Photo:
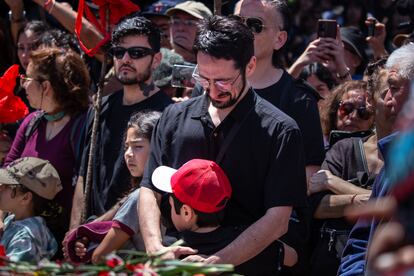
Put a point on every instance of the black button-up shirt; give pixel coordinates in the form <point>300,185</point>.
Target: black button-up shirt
<point>264,161</point>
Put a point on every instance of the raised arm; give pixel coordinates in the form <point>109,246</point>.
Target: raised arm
<point>17,17</point>
<point>66,16</point>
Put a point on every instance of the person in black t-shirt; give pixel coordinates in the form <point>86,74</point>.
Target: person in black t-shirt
<point>270,22</point>
<point>136,52</point>
<point>199,191</point>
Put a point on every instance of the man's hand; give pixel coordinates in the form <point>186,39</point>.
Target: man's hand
<point>311,54</point>
<point>176,252</point>
<point>361,199</point>
<point>196,259</point>
<point>335,50</point>
<point>320,181</point>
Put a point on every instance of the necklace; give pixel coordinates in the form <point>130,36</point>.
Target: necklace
<point>54,117</point>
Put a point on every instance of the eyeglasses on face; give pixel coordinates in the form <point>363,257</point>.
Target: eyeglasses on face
<point>24,79</point>
<point>133,52</point>
<point>346,108</point>
<point>221,85</point>
<point>188,23</point>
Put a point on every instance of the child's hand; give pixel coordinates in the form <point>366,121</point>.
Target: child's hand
<point>81,247</point>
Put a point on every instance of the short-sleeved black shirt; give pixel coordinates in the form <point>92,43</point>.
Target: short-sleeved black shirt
<point>111,178</point>
<point>264,161</point>
<point>298,100</point>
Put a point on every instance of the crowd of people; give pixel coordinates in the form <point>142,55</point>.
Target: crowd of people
<point>251,135</point>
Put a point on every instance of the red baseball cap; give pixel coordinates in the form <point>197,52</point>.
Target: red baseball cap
<point>201,184</point>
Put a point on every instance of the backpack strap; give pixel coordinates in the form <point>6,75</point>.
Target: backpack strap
<point>33,124</point>
<point>78,126</point>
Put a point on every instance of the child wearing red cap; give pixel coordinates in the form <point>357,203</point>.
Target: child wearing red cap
<point>199,193</point>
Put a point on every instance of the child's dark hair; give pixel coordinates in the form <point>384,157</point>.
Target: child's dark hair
<point>37,27</point>
<point>42,207</point>
<point>143,122</point>
<point>320,71</point>
<point>203,219</point>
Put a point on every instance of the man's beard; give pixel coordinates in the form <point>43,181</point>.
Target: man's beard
<point>232,101</point>
<point>139,77</point>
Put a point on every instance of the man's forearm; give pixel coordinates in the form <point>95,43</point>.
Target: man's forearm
<point>77,204</point>
<point>342,187</point>
<point>257,237</point>
<point>149,219</point>
<point>296,69</point>
<point>332,206</point>
<point>66,16</point>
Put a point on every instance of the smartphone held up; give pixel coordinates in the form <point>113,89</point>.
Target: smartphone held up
<point>327,28</point>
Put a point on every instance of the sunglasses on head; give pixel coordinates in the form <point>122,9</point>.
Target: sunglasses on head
<point>346,108</point>
<point>256,25</point>
<point>133,52</point>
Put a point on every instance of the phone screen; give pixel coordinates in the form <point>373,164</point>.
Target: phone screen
<point>327,28</point>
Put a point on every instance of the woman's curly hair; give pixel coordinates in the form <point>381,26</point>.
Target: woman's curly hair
<point>67,74</point>
<point>329,113</point>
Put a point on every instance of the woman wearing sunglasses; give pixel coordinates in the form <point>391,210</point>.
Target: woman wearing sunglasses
<point>349,169</point>
<point>347,109</point>
<point>57,85</point>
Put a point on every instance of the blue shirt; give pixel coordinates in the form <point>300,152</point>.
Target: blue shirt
<point>353,260</point>
<point>27,239</point>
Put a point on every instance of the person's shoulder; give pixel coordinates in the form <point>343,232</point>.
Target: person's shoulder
<point>34,114</point>
<point>344,144</point>
<point>267,110</point>
<point>186,105</point>
<point>161,95</point>
<point>112,97</point>
<point>301,89</point>
<point>307,90</point>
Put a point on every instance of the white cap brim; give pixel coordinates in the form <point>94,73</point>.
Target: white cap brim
<point>161,178</point>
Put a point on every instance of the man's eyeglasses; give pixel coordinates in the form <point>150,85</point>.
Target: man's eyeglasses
<point>346,108</point>
<point>133,52</point>
<point>189,23</point>
<point>221,85</point>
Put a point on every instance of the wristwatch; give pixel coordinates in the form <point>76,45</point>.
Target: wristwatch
<point>344,75</point>
<point>17,20</point>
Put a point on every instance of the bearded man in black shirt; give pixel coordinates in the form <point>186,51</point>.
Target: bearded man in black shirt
<point>136,53</point>
<point>257,145</point>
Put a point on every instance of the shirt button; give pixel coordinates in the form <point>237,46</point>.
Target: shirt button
<point>215,134</point>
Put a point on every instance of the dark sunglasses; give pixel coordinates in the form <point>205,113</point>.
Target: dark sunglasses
<point>133,52</point>
<point>347,108</point>
<point>255,24</point>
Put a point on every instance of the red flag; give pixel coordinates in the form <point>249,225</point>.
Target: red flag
<point>117,9</point>
<point>12,108</point>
